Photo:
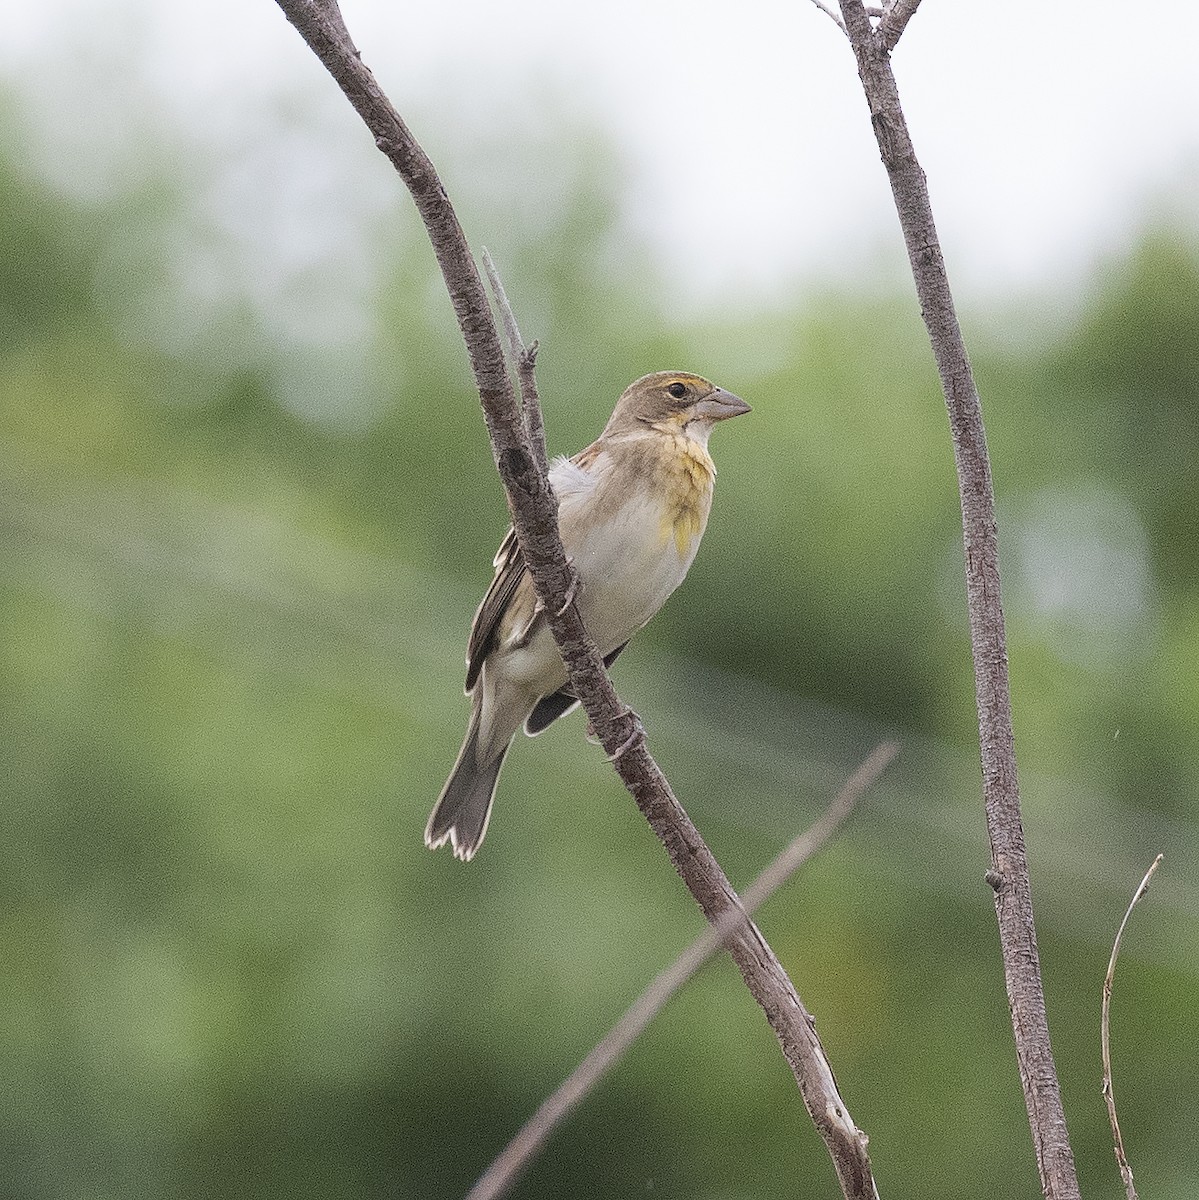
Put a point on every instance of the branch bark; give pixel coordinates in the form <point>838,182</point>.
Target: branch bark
<point>1001,797</point>
<point>534,516</point>
<point>894,21</point>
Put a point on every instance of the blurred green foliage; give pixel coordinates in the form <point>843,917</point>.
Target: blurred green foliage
<point>230,691</point>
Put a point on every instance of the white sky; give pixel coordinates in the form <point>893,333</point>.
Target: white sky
<point>1047,130</point>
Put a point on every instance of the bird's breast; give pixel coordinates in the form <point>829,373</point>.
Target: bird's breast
<point>686,479</point>
<point>632,542</point>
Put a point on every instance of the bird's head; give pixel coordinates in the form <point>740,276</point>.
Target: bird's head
<point>673,402</point>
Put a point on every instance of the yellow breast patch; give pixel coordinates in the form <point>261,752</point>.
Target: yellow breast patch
<point>688,474</point>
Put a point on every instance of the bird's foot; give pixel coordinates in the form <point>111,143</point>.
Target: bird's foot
<point>635,738</point>
<point>573,590</point>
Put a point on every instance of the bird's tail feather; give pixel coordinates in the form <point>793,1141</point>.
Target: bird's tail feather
<point>462,811</point>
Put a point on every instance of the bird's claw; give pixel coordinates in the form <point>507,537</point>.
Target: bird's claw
<point>636,737</point>
<point>572,591</point>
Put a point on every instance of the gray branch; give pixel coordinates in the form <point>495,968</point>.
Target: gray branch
<point>534,516</point>
<point>514,1159</point>
<point>1001,796</point>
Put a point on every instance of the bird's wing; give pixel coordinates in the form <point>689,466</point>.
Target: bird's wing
<point>509,574</point>
<point>511,592</point>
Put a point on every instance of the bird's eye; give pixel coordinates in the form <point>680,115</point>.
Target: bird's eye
<point>677,390</point>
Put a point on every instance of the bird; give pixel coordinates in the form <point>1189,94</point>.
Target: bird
<point>632,508</point>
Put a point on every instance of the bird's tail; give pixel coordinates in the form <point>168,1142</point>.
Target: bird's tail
<point>463,809</point>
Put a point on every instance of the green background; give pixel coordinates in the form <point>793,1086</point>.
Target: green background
<point>237,568</point>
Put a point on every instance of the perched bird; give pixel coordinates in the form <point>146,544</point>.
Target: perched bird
<point>632,508</point>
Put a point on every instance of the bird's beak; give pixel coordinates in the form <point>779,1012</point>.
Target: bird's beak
<point>720,405</point>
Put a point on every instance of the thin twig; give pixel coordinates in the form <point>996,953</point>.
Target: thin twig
<point>894,21</point>
<point>1001,795</point>
<point>516,344</point>
<point>1109,1098</point>
<point>524,358</point>
<point>534,518</point>
<point>828,12</point>
<point>515,1158</point>
<point>526,377</point>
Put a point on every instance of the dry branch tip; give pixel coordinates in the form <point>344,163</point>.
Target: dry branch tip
<point>1109,1098</point>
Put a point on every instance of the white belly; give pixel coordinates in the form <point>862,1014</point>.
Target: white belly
<point>627,568</point>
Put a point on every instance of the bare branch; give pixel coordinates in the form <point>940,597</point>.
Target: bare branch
<point>1001,795</point>
<point>828,12</point>
<point>525,360</point>
<point>894,21</point>
<point>1130,1192</point>
<point>515,1158</point>
<point>534,517</point>
<point>330,10</point>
